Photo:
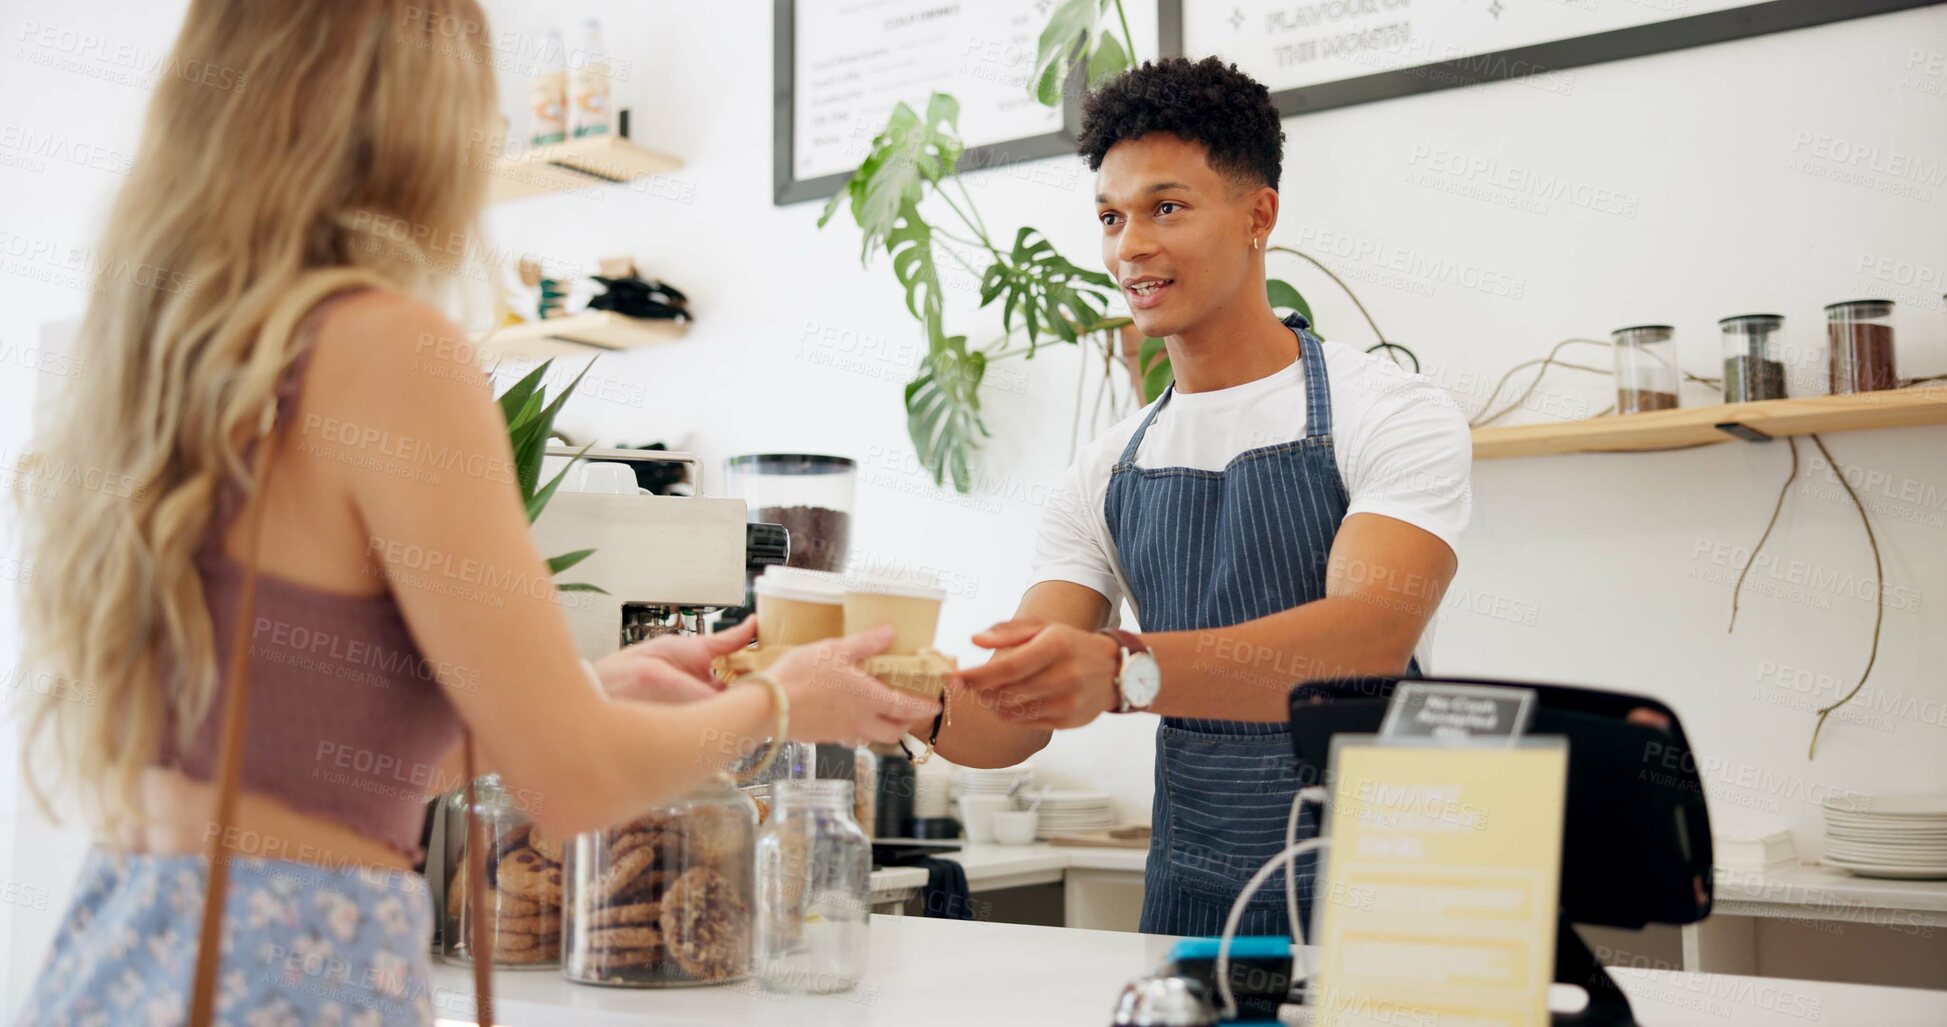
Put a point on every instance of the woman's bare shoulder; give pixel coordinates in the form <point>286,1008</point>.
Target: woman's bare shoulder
<point>382,330</point>
<point>386,355</point>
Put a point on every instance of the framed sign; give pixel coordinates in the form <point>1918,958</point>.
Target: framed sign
<point>841,65</point>
<point>1315,55</point>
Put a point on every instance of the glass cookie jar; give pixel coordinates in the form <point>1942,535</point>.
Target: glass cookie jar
<point>524,879</point>
<point>665,899</point>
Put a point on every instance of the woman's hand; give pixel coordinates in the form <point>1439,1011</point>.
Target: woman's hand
<point>832,700</point>
<point>673,668</point>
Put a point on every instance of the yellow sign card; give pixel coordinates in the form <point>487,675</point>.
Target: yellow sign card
<point>1440,904</point>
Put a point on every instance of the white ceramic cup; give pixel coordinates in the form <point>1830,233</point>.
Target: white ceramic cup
<point>1014,826</point>
<point>977,815</point>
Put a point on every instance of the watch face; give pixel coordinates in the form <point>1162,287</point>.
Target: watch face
<point>1141,680</point>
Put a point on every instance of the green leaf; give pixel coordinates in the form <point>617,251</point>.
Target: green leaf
<point>557,564</point>
<point>909,151</point>
<point>1053,295</point>
<point>515,399</point>
<point>524,418</point>
<point>1154,359</point>
<point>831,205</point>
<point>1066,36</point>
<point>547,415</point>
<point>539,500</point>
<point>992,282</point>
<point>911,244</point>
<point>943,411</point>
<point>1108,61</point>
<point>1284,297</point>
<point>530,441</point>
<point>529,423</point>
<point>529,448</point>
<point>581,586</point>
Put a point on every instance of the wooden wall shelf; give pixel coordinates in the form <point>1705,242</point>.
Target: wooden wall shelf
<point>1694,426</point>
<point>575,164</point>
<point>584,334</point>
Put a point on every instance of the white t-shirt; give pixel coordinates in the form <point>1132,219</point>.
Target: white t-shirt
<point>1402,447</point>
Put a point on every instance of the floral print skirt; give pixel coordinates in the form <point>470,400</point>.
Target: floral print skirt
<point>303,946</point>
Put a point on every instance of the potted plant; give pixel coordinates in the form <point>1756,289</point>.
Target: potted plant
<point>910,169</point>
<point>530,423</point>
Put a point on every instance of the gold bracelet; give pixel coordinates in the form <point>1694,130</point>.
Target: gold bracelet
<point>780,699</point>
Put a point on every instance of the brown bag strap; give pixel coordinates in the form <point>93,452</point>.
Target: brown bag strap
<point>229,778</point>
<point>480,935</point>
<point>229,761</point>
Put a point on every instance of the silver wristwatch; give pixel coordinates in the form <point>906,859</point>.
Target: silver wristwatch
<point>1139,679</point>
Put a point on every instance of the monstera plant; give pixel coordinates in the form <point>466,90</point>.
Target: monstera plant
<point>911,171</point>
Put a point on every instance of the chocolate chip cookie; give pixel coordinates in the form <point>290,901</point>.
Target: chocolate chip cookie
<point>705,926</point>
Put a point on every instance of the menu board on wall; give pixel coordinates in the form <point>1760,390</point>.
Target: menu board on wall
<point>1319,54</point>
<point>842,65</point>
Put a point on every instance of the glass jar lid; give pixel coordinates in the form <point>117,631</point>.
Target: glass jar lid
<point>1752,324</point>
<point>1640,334</point>
<point>819,793</point>
<point>717,788</point>
<point>791,463</point>
<point>1858,310</point>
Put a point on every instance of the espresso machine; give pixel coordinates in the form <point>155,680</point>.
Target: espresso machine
<point>668,563</point>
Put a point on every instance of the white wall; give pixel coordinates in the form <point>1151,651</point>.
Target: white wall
<point>1590,569</point>
<point>72,88</point>
<point>1587,569</point>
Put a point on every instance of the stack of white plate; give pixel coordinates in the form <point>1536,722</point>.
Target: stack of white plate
<point>1069,812</point>
<point>999,781</point>
<point>1900,836</point>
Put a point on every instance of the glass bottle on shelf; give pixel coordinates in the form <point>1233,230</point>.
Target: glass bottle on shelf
<point>814,870</point>
<point>547,92</point>
<point>1647,376</point>
<point>589,84</point>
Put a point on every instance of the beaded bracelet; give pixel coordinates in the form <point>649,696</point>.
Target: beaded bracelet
<point>782,701</point>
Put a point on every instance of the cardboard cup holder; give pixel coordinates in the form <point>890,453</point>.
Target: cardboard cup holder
<point>923,673</point>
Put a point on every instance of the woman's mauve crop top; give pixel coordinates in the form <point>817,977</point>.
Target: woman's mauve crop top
<point>347,719</point>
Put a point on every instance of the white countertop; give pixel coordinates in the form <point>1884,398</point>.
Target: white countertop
<point>1011,866</point>
<point>1828,893</point>
<point>947,973</point>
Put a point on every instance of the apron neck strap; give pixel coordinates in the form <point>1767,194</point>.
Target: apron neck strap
<point>1128,458</point>
<point>1318,388</point>
<point>1318,391</point>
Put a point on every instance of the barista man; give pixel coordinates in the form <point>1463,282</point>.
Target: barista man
<point>1287,511</point>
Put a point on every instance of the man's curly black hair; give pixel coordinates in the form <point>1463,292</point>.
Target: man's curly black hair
<point>1206,102</point>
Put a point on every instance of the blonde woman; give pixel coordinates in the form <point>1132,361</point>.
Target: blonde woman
<point>271,256</point>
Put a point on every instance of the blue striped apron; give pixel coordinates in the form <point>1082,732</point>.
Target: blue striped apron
<point>1210,549</point>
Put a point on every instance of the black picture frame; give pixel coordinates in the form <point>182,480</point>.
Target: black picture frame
<point>1541,58</point>
<point>787,189</point>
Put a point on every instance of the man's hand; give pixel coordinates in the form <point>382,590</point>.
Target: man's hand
<point>673,668</point>
<point>1044,675</point>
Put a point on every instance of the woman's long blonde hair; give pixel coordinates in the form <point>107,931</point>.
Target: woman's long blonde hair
<point>291,150</point>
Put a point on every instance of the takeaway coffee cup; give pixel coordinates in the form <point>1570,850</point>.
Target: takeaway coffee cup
<point>912,609</point>
<point>796,606</point>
